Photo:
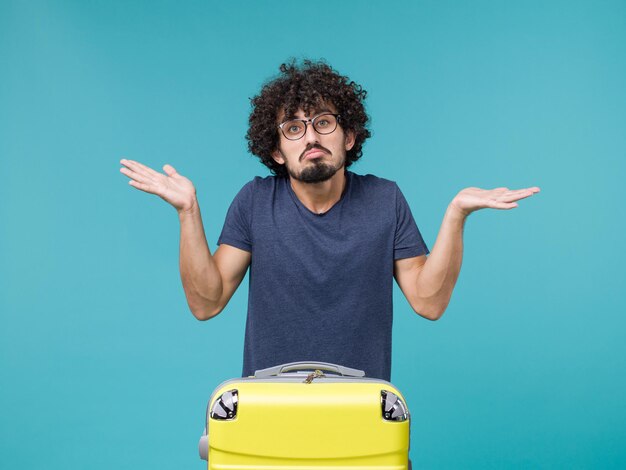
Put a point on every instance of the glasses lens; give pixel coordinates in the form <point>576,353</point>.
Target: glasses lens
<point>325,123</point>
<point>293,129</point>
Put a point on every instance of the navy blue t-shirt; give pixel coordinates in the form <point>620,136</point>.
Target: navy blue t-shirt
<point>321,285</point>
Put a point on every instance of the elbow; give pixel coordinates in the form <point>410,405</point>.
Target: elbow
<point>433,316</point>
<point>204,313</point>
<point>431,312</point>
<point>202,307</point>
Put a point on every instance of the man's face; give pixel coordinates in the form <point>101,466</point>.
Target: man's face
<point>315,157</point>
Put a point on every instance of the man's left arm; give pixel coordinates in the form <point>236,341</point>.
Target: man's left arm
<point>428,282</point>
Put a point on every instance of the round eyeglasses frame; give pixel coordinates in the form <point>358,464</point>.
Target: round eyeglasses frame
<point>306,123</point>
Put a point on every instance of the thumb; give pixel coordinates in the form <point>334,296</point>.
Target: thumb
<point>169,170</point>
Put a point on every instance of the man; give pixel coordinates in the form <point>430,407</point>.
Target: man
<point>322,243</point>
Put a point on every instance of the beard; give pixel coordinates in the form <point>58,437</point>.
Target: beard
<point>316,171</point>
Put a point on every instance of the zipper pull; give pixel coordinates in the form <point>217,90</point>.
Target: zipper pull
<point>314,375</point>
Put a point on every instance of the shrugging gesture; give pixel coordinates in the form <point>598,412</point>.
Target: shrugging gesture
<point>209,279</point>
<point>428,282</point>
<point>172,187</point>
<point>473,199</point>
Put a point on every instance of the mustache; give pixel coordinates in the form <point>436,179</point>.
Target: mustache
<point>314,146</point>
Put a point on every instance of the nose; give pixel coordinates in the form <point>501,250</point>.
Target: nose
<point>310,136</point>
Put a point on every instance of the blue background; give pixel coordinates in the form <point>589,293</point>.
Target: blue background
<point>101,363</point>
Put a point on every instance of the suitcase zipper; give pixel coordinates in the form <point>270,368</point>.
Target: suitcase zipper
<point>313,375</point>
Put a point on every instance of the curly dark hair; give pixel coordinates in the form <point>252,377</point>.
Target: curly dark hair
<point>305,86</point>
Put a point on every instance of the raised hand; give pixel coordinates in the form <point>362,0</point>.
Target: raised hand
<point>473,199</point>
<point>171,186</point>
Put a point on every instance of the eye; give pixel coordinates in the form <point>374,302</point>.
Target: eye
<point>293,128</point>
<point>322,122</point>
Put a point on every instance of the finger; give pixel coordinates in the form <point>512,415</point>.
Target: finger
<point>135,176</point>
<point>503,205</point>
<point>136,167</point>
<point>497,192</point>
<point>533,189</point>
<point>140,168</point>
<point>146,188</point>
<point>516,195</point>
<point>169,170</point>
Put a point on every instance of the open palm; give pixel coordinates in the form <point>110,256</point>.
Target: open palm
<point>171,186</point>
<point>472,199</point>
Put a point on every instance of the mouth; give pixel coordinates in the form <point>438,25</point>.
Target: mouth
<point>313,154</point>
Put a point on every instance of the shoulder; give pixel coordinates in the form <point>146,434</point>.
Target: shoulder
<point>372,183</point>
<point>263,183</point>
<point>259,184</point>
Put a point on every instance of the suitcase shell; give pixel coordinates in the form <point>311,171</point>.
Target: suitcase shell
<point>306,415</point>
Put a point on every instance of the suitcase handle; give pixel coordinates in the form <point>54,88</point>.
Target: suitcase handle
<point>305,365</point>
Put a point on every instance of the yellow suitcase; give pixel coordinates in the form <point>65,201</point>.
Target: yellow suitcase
<point>306,416</point>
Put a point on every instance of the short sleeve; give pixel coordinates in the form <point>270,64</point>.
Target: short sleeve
<point>236,231</point>
<point>408,241</point>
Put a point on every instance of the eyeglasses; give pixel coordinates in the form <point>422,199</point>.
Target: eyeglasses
<point>295,129</point>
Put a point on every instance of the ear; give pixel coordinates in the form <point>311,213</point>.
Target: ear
<point>349,140</point>
<point>277,155</point>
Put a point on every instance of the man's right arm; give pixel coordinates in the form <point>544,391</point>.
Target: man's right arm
<point>209,280</point>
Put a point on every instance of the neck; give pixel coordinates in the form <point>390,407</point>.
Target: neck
<point>320,197</point>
